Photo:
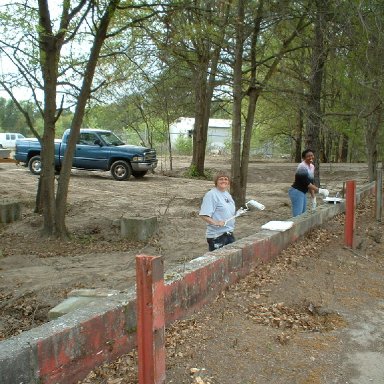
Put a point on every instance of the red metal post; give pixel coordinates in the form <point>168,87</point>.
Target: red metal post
<point>150,319</point>
<point>350,204</point>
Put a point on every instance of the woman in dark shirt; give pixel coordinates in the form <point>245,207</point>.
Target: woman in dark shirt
<point>304,179</point>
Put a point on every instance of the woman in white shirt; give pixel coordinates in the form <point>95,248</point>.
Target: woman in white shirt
<point>217,207</point>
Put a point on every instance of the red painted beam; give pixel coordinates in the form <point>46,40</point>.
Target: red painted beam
<point>150,319</point>
<point>350,204</point>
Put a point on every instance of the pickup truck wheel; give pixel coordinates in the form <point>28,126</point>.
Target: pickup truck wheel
<point>139,174</point>
<point>34,165</point>
<point>121,170</point>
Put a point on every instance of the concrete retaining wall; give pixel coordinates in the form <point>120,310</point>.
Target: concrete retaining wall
<point>10,211</point>
<point>66,349</point>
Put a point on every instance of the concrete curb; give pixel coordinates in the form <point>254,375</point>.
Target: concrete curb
<point>10,211</point>
<point>67,349</point>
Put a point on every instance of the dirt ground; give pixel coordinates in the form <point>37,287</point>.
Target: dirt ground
<point>36,274</point>
<point>313,316</point>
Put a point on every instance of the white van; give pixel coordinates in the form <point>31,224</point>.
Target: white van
<point>8,140</point>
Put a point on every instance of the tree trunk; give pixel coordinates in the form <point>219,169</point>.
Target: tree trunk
<point>343,149</point>
<point>48,160</point>
<point>200,132</point>
<point>205,86</point>
<point>327,140</point>
<point>169,138</point>
<point>253,94</point>
<point>39,201</point>
<point>240,159</point>
<point>62,189</point>
<point>299,136</point>
<point>373,99</point>
<point>236,189</point>
<point>374,122</point>
<point>49,48</point>
<point>315,88</point>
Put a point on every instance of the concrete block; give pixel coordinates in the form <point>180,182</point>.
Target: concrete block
<point>199,262</point>
<point>234,258</point>
<point>130,317</point>
<point>98,292</point>
<point>66,349</point>
<point>261,248</point>
<point>138,228</point>
<point>280,241</point>
<point>300,225</point>
<point>14,357</point>
<point>10,211</point>
<point>242,255</point>
<point>5,153</point>
<point>364,191</point>
<point>189,290</point>
<point>69,305</point>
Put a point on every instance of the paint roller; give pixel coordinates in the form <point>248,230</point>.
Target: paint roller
<point>248,205</point>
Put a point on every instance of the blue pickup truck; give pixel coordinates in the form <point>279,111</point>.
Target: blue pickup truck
<point>96,149</point>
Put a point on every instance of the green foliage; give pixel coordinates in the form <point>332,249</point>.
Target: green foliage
<point>192,173</point>
<point>130,120</point>
<point>227,145</point>
<point>209,173</point>
<point>12,120</point>
<point>183,146</point>
<point>63,123</point>
<point>151,82</point>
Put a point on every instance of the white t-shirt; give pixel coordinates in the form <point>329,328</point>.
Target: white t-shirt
<point>219,206</point>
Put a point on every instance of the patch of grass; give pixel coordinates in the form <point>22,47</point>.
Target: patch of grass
<point>83,239</point>
<point>192,173</point>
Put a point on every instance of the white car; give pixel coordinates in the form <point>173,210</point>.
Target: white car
<point>8,139</point>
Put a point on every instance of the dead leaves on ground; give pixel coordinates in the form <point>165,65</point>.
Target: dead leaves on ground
<point>121,371</point>
<point>200,376</point>
<point>302,318</point>
<point>289,259</point>
<point>185,338</point>
<point>179,335</point>
<point>20,313</point>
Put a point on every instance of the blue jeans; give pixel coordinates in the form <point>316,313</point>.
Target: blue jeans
<point>299,201</point>
<point>218,242</point>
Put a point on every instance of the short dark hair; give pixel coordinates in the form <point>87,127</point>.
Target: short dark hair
<point>304,153</point>
<point>221,174</point>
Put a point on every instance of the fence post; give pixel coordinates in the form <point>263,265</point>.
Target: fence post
<point>379,192</point>
<point>150,319</point>
<point>350,203</point>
